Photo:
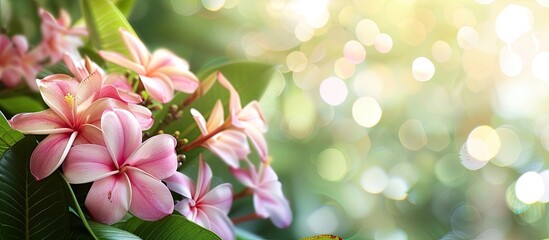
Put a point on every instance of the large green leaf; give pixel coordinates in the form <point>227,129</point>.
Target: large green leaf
<point>8,136</point>
<point>101,231</point>
<point>250,80</point>
<point>104,20</point>
<point>172,227</point>
<point>30,209</point>
<point>125,6</point>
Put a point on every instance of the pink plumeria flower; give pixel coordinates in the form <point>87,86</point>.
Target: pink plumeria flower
<point>269,201</point>
<point>73,117</point>
<point>160,72</point>
<point>207,208</point>
<point>29,60</point>
<point>114,85</point>
<point>16,62</point>
<point>58,36</point>
<point>126,173</point>
<point>228,144</point>
<point>250,118</point>
<point>9,63</point>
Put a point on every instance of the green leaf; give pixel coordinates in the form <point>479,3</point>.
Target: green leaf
<point>8,136</point>
<point>104,20</point>
<point>58,68</point>
<point>17,104</point>
<point>103,231</point>
<point>30,209</point>
<point>250,80</point>
<point>125,6</point>
<point>170,227</point>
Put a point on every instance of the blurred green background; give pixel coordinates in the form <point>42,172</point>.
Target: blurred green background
<point>394,119</point>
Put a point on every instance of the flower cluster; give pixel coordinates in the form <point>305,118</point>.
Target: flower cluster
<point>94,133</point>
<point>18,61</point>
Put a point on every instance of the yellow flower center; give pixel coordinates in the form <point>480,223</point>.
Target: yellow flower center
<point>69,98</point>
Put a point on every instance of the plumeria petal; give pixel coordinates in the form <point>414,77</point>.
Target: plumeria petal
<point>183,80</point>
<point>151,200</point>
<point>164,58</point>
<point>181,184</point>
<point>156,156</point>
<point>200,121</point>
<point>271,200</point>
<point>234,101</point>
<point>88,91</point>
<point>216,117</point>
<point>122,134</point>
<point>94,112</point>
<point>204,179</point>
<point>185,209</point>
<point>121,60</point>
<point>221,197</point>
<point>44,122</point>
<point>137,49</point>
<point>50,153</point>
<point>219,222</point>
<point>259,142</point>
<point>229,145</point>
<point>117,86</point>
<point>88,133</point>
<point>59,93</point>
<point>244,176</point>
<point>74,66</point>
<point>109,199</point>
<point>88,163</point>
<point>143,115</point>
<point>159,87</point>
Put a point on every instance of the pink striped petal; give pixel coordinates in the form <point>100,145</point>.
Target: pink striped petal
<point>230,146</point>
<point>122,134</point>
<point>59,93</point>
<point>72,61</point>
<point>121,60</point>
<point>89,133</point>
<point>216,117</point>
<point>151,199</point>
<point>220,197</point>
<point>143,115</point>
<point>245,176</point>
<point>259,142</point>
<point>159,87</point>
<point>219,222</point>
<point>137,49</point>
<point>109,199</point>
<point>204,179</point>
<point>94,112</point>
<point>87,163</point>
<point>185,209</point>
<point>88,91</point>
<point>271,202</point>
<point>180,183</point>
<point>200,121</point>
<point>44,122</point>
<point>234,101</point>
<point>50,153</point>
<point>183,81</point>
<point>164,58</point>
<point>116,86</point>
<point>156,156</point>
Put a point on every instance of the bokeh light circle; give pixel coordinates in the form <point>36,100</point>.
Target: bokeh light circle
<point>530,187</point>
<point>333,91</point>
<point>483,143</point>
<point>366,112</point>
<point>423,69</point>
